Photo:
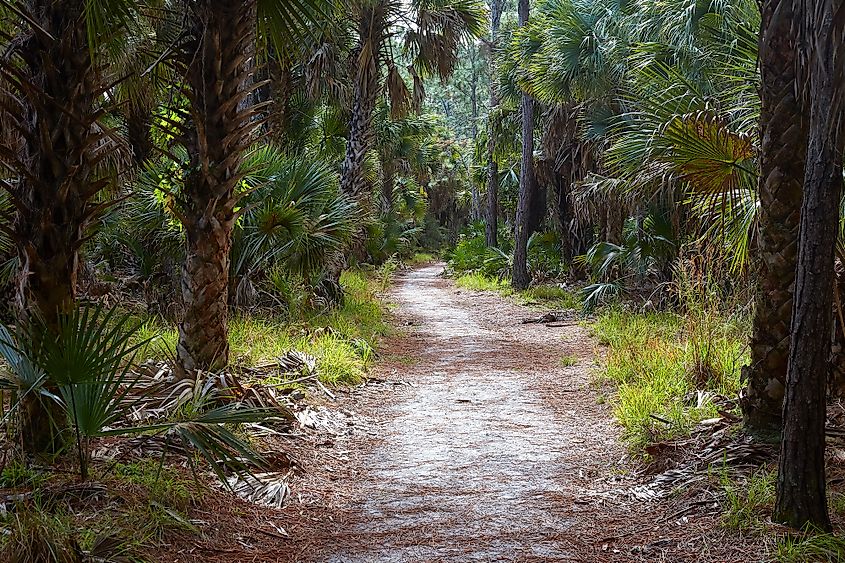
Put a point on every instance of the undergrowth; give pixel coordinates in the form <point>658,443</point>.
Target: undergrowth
<point>145,505</point>
<point>661,362</point>
<point>342,339</point>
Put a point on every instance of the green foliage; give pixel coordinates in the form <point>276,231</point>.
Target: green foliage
<point>17,474</point>
<point>472,255</point>
<point>655,361</point>
<point>748,499</point>
<point>480,282</point>
<point>811,548</point>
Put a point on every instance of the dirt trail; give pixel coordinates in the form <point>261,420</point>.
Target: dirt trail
<point>492,452</point>
<point>484,447</point>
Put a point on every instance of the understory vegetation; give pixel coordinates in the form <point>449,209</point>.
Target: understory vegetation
<point>202,201</point>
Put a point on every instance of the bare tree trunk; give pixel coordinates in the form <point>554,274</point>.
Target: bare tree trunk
<point>492,229</point>
<point>218,61</point>
<point>782,156</point>
<point>527,183</point>
<point>801,492</point>
<point>475,211</point>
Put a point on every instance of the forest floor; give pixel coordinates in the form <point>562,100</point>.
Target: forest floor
<point>477,438</point>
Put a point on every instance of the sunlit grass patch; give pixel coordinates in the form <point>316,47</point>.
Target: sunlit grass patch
<point>342,339</point>
<point>551,296</point>
<point>657,361</point>
<point>480,282</point>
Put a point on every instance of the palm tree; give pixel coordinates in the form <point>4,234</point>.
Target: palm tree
<point>434,29</point>
<point>217,61</point>
<point>783,150</point>
<point>58,154</point>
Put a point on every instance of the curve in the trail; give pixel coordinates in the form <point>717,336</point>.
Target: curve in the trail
<point>474,463</point>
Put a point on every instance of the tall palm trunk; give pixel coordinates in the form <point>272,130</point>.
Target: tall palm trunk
<point>782,159</point>
<point>364,95</point>
<point>527,183</point>
<point>50,86</point>
<point>802,488</point>
<point>492,228</point>
<point>218,65</point>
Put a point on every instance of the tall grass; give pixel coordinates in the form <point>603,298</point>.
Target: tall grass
<point>341,339</point>
<point>660,361</point>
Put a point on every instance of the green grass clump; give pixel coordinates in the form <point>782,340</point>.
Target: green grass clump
<point>657,360</point>
<point>551,297</point>
<point>480,282</point>
<point>568,360</point>
<point>810,548</point>
<point>748,501</point>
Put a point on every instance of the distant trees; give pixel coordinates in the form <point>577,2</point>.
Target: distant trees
<point>431,47</point>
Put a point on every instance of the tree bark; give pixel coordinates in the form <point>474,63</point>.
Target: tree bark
<point>801,493</point>
<point>51,141</point>
<point>218,75</point>
<point>782,157</point>
<point>491,232</point>
<point>527,182</point>
<point>364,94</point>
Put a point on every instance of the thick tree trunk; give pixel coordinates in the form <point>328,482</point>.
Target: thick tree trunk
<point>782,157</point>
<point>492,227</point>
<point>527,183</point>
<point>51,142</point>
<point>801,494</point>
<point>218,76</point>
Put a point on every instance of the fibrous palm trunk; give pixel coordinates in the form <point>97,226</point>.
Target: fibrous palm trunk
<point>218,67</point>
<point>802,489</point>
<point>527,183</point>
<point>492,228</point>
<point>52,143</point>
<point>782,158</point>
<point>364,95</point>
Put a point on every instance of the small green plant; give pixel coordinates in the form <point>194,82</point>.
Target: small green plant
<point>17,474</point>
<point>568,360</point>
<point>807,548</point>
<point>747,499</point>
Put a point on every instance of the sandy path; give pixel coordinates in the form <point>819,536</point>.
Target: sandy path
<point>476,463</point>
<point>474,442</point>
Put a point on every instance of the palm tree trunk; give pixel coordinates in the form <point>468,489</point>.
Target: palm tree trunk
<point>218,64</point>
<point>802,488</point>
<point>50,86</point>
<point>782,159</point>
<point>527,183</point>
<point>364,94</point>
<point>492,228</point>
